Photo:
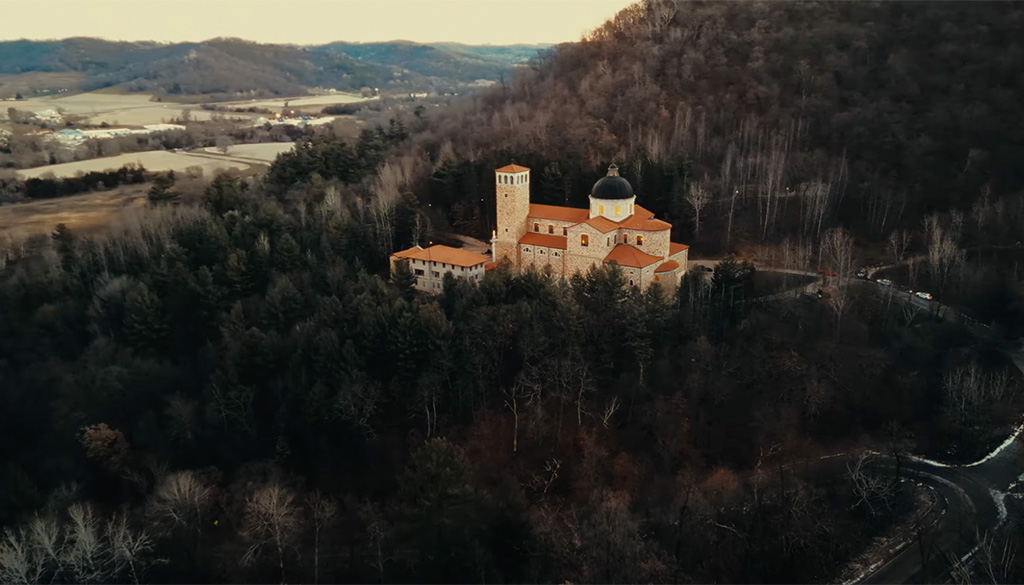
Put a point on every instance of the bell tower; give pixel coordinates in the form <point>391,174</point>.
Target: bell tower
<point>512,190</point>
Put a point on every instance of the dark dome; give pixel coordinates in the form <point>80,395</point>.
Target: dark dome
<point>612,186</point>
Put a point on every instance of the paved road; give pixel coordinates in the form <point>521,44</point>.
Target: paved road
<point>973,492</point>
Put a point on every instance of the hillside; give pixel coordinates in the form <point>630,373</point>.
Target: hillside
<point>233,66</point>
<point>452,61</point>
<point>794,116</point>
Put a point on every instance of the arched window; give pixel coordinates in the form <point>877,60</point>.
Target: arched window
<point>551,229</point>
<point>657,278</point>
<point>600,209</point>
<point>618,210</point>
<point>536,227</point>
<point>639,240</point>
<point>630,282</point>
<point>584,240</point>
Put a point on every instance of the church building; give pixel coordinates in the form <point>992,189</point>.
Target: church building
<point>615,230</point>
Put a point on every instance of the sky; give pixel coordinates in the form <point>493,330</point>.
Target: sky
<point>308,22</point>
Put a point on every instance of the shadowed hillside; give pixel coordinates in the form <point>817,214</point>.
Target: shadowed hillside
<point>793,116</point>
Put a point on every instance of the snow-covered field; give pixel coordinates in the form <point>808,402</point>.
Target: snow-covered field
<point>300,101</point>
<point>128,109</point>
<point>158,160</point>
<point>266,151</point>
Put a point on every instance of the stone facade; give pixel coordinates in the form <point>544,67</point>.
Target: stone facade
<point>570,240</point>
<point>512,210</point>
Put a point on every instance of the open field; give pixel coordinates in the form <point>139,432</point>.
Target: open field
<point>25,83</point>
<point>157,160</point>
<point>300,101</point>
<point>117,109</point>
<point>84,213</point>
<point>266,151</point>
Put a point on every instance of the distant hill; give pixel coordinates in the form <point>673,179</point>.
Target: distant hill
<point>233,66</point>
<point>452,61</point>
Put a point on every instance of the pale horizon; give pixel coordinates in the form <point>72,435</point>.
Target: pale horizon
<point>308,22</point>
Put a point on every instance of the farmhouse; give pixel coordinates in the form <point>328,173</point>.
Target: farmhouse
<point>615,230</point>
<point>430,265</point>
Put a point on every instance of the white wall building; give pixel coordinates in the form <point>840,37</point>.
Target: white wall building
<point>430,265</point>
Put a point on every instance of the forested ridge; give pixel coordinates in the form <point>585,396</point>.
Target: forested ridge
<point>241,390</point>
<point>791,116</point>
<point>225,67</point>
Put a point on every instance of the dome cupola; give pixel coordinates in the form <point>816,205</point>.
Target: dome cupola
<point>612,186</point>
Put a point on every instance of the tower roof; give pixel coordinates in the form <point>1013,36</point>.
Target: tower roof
<point>612,186</point>
<point>512,168</point>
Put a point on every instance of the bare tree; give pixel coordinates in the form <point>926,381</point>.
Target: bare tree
<point>129,549</point>
<point>698,198</point>
<point>837,251</point>
<point>869,488</point>
<point>323,511</point>
<point>898,243</point>
<point>224,144</point>
<point>84,554</point>
<point>837,301</point>
<point>271,521</point>
<point>391,180</point>
<point>971,386</point>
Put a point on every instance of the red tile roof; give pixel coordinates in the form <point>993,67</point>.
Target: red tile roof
<point>558,213</point>
<point>674,248</point>
<point>490,266</point>
<point>644,220</point>
<point>512,169</point>
<point>602,224</point>
<point>667,266</point>
<point>443,254</point>
<point>544,240</point>
<point>626,255</point>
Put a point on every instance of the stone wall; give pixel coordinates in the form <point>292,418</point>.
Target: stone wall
<point>512,194</point>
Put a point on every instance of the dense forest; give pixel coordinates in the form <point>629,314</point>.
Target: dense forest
<point>242,389</point>
<point>787,117</point>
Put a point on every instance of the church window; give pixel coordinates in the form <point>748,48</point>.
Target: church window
<point>565,231</point>
<point>639,240</point>
<point>556,254</point>
<point>657,278</point>
<point>551,229</point>
<point>630,282</point>
<point>541,251</point>
<point>618,210</point>
<point>600,209</point>
<point>608,241</point>
<point>526,250</point>
<point>584,240</point>
<point>536,227</point>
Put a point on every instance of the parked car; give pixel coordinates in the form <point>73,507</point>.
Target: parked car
<point>862,273</point>
<point>884,282</point>
<point>923,295</point>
